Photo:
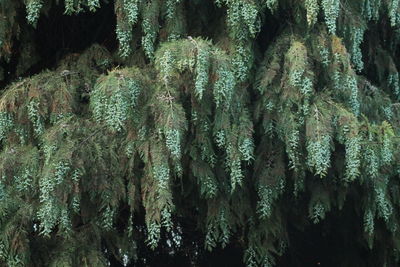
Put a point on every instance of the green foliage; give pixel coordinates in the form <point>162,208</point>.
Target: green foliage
<point>331,11</point>
<point>319,139</point>
<point>115,97</point>
<point>33,11</point>
<point>192,126</point>
<point>150,27</point>
<point>312,8</point>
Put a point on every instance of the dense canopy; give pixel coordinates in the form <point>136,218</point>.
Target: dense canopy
<point>137,130</point>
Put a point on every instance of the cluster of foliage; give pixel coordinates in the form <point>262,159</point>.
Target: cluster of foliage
<point>188,118</point>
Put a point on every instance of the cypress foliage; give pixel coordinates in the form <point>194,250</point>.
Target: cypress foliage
<point>205,114</point>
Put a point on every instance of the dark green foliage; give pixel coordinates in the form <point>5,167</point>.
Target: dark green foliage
<point>190,122</point>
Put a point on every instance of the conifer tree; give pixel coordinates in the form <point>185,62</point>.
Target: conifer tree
<point>188,126</point>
